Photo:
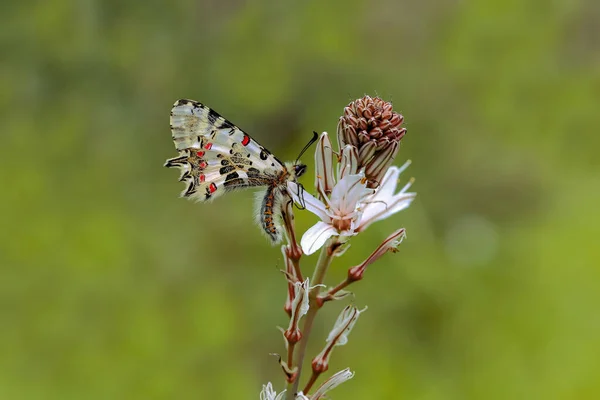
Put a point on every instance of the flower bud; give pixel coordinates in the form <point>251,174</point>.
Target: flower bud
<point>324,179</point>
<point>390,244</point>
<point>371,125</point>
<point>337,337</point>
<point>299,308</point>
<point>348,164</point>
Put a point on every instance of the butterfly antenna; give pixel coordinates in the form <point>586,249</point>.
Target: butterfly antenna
<point>314,139</point>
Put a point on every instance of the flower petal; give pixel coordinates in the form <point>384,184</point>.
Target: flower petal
<point>388,184</point>
<point>308,201</point>
<point>332,382</point>
<point>267,392</point>
<point>384,202</point>
<point>378,211</point>
<point>316,236</point>
<point>390,180</point>
<point>348,192</point>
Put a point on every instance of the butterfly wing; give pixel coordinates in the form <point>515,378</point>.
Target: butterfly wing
<point>215,156</point>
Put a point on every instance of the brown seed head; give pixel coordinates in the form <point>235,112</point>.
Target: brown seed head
<point>372,126</point>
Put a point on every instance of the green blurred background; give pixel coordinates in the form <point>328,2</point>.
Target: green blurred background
<point>113,288</point>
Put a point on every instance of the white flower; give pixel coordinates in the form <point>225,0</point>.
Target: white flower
<point>267,393</point>
<point>300,302</point>
<point>334,381</point>
<point>349,206</point>
<point>385,202</point>
<point>339,214</point>
<point>299,308</point>
<point>343,325</point>
<point>337,337</point>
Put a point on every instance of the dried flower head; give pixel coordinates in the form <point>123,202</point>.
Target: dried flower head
<point>371,125</point>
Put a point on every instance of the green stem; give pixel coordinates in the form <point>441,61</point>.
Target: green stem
<point>318,277</point>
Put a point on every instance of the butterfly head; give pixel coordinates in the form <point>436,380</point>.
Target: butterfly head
<point>299,169</point>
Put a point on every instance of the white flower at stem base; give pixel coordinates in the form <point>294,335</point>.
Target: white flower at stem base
<point>267,393</point>
<point>334,381</point>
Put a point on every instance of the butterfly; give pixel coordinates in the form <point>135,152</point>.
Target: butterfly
<point>216,157</point>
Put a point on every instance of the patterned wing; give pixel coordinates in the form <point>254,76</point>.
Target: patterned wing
<point>215,156</point>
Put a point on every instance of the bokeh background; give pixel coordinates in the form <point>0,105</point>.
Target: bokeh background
<point>113,288</point>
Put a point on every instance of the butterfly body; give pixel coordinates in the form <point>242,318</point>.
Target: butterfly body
<point>216,157</point>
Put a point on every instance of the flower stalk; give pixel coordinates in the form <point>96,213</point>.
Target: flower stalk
<point>318,277</point>
<point>355,186</point>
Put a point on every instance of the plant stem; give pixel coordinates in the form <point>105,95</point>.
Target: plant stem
<point>329,295</point>
<point>318,277</point>
<point>311,381</point>
<point>293,251</point>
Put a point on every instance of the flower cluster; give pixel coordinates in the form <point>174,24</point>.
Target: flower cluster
<point>268,393</point>
<point>372,127</point>
<point>363,189</point>
<point>355,186</point>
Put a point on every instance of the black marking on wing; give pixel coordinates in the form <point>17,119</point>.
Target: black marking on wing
<point>231,176</point>
<point>176,162</point>
<point>240,160</point>
<point>186,175</point>
<point>182,102</point>
<point>253,172</point>
<point>219,122</point>
<point>226,169</point>
<point>191,188</point>
<point>233,180</point>
<point>264,153</point>
<point>213,116</point>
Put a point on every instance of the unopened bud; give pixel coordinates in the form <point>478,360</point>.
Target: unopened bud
<point>371,125</point>
<point>337,337</point>
<point>390,243</point>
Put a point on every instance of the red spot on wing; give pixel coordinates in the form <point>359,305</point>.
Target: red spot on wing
<point>207,146</point>
<point>201,178</point>
<point>212,188</point>
<point>200,153</point>
<point>202,165</point>
<point>246,140</point>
